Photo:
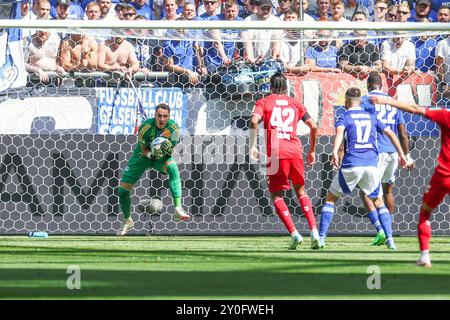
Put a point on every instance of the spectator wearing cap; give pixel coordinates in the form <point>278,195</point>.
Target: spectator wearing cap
<point>62,9</point>
<point>74,9</point>
<point>66,10</point>
<point>398,55</point>
<point>143,9</point>
<point>433,11</point>
<point>118,10</point>
<point>360,57</point>
<point>62,13</point>
<point>128,12</point>
<point>322,57</point>
<point>422,11</point>
<point>262,44</point>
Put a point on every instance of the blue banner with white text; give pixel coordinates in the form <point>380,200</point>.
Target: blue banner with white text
<point>117,107</point>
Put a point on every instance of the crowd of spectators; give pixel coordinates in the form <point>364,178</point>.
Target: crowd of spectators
<point>357,53</point>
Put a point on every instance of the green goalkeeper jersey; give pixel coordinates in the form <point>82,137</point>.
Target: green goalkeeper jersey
<point>148,131</point>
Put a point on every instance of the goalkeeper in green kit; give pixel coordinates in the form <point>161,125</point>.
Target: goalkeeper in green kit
<point>160,159</point>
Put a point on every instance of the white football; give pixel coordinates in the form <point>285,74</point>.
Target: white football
<point>156,143</point>
<point>150,205</point>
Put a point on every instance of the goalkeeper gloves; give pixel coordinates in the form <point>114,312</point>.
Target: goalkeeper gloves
<point>167,147</point>
<point>157,153</point>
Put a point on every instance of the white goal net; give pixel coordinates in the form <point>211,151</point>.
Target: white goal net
<point>71,93</point>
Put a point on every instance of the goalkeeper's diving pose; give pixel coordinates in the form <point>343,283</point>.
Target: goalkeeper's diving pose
<point>160,159</point>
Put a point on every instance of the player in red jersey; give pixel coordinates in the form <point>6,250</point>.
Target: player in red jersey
<point>281,115</point>
<point>440,182</point>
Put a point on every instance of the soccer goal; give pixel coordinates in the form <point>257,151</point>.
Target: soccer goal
<point>67,122</point>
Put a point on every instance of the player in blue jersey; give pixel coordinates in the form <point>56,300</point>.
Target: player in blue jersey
<point>359,165</point>
<point>387,155</point>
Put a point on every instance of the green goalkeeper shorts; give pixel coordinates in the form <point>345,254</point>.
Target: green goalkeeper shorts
<point>138,164</point>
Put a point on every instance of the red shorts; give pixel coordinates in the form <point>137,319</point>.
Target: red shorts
<point>438,189</point>
<point>287,170</point>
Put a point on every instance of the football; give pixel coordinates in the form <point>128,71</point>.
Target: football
<point>155,147</point>
<point>150,205</point>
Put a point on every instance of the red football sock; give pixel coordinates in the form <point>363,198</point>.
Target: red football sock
<point>284,214</point>
<point>424,230</point>
<point>308,211</point>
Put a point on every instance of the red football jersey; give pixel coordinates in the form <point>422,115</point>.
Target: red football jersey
<point>442,117</point>
<point>281,114</point>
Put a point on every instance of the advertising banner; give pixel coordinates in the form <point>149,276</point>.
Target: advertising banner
<point>322,93</point>
<point>117,107</point>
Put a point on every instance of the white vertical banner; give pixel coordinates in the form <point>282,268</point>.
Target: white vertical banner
<point>12,64</point>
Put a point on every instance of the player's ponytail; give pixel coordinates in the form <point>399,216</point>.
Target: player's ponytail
<point>278,83</point>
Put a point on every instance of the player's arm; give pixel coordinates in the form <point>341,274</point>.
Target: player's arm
<point>175,134</point>
<point>169,144</point>
<point>145,151</point>
<point>339,138</point>
<point>404,106</point>
<point>143,140</point>
<point>312,137</point>
<point>404,142</point>
<point>401,155</point>
<point>64,57</point>
<point>254,128</point>
<point>132,60</point>
<point>93,55</point>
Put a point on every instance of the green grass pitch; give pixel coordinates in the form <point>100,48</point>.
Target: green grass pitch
<point>217,267</point>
